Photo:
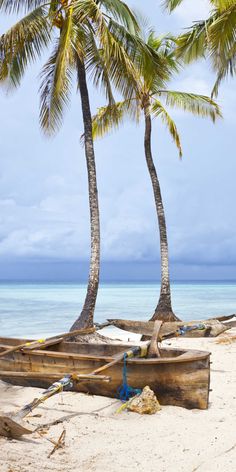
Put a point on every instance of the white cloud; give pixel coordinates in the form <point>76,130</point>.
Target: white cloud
<point>191,10</point>
<point>43,183</point>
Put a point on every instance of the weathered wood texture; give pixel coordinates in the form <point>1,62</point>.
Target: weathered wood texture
<point>179,377</point>
<point>43,343</point>
<point>153,350</point>
<point>10,429</point>
<point>212,328</point>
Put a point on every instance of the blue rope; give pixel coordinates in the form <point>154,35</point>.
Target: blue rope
<point>184,329</point>
<point>125,392</point>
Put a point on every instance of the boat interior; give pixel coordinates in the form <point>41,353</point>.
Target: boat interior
<point>90,349</point>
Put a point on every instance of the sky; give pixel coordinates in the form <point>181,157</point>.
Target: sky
<point>44,215</point>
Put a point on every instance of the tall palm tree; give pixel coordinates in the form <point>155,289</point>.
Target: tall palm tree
<point>149,99</point>
<point>88,36</point>
<point>214,37</point>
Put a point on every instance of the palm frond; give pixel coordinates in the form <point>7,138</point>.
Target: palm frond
<point>115,41</point>
<point>18,6</point>
<point>134,62</point>
<point>122,56</point>
<point>158,110</point>
<point>222,38</point>
<point>123,52</point>
<point>219,4</point>
<point>193,44</point>
<point>214,38</point>
<point>104,10</point>
<point>96,67</point>
<point>56,83</point>
<point>171,4</point>
<point>112,116</point>
<point>120,12</point>
<point>222,5</point>
<point>200,105</point>
<point>228,69</point>
<point>23,44</point>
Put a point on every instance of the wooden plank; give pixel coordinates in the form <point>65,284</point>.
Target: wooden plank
<point>47,343</point>
<point>42,357</point>
<point>63,355</point>
<point>53,375</point>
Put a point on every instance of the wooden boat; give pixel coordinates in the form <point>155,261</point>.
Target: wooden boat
<point>179,377</point>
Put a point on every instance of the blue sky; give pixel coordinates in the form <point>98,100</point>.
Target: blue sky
<point>43,183</point>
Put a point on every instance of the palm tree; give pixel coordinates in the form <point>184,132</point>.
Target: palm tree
<point>150,98</point>
<point>87,37</point>
<point>214,37</point>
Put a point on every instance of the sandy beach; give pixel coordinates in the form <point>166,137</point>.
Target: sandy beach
<point>98,439</point>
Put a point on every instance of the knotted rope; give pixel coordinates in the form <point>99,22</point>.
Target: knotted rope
<point>125,392</point>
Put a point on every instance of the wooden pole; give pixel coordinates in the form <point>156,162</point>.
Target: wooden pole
<point>53,376</point>
<point>47,342</point>
<point>153,350</point>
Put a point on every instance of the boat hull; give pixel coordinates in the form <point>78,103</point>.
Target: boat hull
<point>179,377</point>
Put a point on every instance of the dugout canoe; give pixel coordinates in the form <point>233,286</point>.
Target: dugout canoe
<point>179,377</point>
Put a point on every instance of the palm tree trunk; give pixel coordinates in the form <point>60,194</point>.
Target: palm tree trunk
<point>163,309</point>
<point>86,317</point>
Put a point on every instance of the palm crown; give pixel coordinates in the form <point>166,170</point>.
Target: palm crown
<point>214,37</point>
<point>102,34</point>
<point>150,95</point>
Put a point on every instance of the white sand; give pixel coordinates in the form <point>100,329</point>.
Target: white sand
<point>97,439</point>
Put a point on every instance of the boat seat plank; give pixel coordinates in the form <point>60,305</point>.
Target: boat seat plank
<point>62,355</point>
<point>38,345</point>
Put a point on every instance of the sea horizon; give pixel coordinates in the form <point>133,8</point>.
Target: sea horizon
<point>35,309</point>
<point>115,281</point>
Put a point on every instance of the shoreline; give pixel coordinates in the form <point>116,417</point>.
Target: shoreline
<point>98,439</point>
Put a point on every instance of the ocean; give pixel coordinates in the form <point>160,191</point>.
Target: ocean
<point>40,310</point>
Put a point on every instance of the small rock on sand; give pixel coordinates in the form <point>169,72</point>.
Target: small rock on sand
<point>145,404</point>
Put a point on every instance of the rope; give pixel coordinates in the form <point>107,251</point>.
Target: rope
<point>125,392</point>
<point>33,342</point>
<point>184,329</point>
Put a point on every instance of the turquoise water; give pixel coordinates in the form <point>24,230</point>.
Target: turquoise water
<point>35,310</point>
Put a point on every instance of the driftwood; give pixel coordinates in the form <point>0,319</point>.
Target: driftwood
<point>208,328</point>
